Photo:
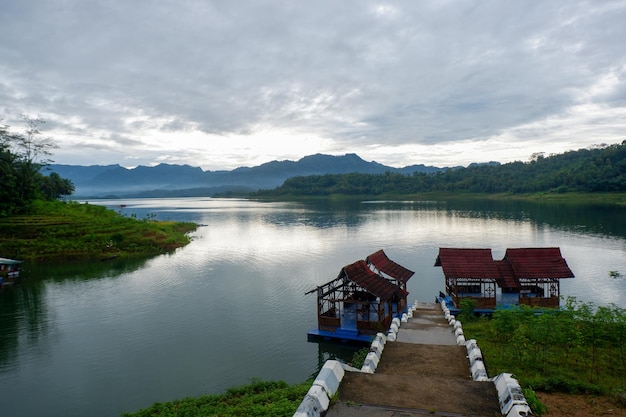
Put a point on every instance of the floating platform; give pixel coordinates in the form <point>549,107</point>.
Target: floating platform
<point>339,335</point>
<point>478,311</point>
<point>448,301</point>
<point>481,311</point>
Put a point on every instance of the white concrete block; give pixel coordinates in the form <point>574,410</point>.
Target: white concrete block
<point>314,404</point>
<point>330,376</point>
<point>367,369</point>
<point>518,410</point>
<point>394,327</point>
<point>479,373</point>
<point>377,347</point>
<point>372,358</point>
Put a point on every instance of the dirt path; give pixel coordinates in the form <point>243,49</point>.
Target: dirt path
<point>414,380</point>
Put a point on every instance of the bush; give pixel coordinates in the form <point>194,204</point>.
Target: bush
<point>359,358</point>
<point>579,348</point>
<point>534,403</point>
<point>260,399</point>
<point>467,310</point>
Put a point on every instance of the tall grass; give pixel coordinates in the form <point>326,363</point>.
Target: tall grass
<point>580,348</point>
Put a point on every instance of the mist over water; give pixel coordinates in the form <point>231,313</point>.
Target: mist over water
<point>104,338</point>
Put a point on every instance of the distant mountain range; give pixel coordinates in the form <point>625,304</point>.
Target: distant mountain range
<point>166,180</point>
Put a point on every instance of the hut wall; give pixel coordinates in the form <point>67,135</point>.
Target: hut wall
<point>402,305</point>
<point>328,323</point>
<point>546,302</point>
<point>481,302</point>
<point>374,326</point>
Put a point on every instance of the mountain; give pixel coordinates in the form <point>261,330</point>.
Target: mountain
<point>184,180</point>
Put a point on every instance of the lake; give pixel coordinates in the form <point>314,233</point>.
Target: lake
<point>104,338</point>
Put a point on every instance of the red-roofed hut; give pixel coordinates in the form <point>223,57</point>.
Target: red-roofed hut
<point>358,301</point>
<point>385,267</point>
<point>538,272</point>
<point>469,274</point>
<point>529,276</point>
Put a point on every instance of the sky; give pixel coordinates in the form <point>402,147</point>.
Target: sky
<point>224,84</point>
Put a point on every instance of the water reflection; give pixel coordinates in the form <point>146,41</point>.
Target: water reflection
<point>77,270</point>
<point>589,218</point>
<point>78,339</point>
<point>22,318</point>
<point>343,352</point>
<point>24,312</point>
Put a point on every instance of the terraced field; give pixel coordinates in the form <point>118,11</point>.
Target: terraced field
<point>84,231</point>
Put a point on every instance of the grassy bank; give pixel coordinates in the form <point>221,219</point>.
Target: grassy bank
<point>579,349</point>
<point>57,230</point>
<point>275,399</point>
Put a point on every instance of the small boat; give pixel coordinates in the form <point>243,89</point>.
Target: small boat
<point>9,271</point>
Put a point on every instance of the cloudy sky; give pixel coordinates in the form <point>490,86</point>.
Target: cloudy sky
<point>229,83</point>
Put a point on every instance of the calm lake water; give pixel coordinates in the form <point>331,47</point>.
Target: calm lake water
<point>104,338</point>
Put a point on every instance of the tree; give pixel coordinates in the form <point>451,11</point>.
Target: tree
<point>8,178</point>
<point>54,187</point>
<point>22,156</point>
<point>32,153</point>
<point>31,146</point>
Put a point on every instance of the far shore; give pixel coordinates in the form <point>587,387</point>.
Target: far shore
<point>561,198</point>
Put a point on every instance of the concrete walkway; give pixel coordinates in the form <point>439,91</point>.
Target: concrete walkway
<point>422,373</point>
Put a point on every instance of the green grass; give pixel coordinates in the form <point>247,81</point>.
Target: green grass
<point>57,230</point>
<point>578,349</point>
<point>259,399</point>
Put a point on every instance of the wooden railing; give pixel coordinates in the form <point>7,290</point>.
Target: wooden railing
<point>546,302</point>
<point>328,323</point>
<point>374,326</point>
<point>481,302</point>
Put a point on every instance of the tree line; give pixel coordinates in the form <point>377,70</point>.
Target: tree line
<point>22,157</point>
<point>600,168</point>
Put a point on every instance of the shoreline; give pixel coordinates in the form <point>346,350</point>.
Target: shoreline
<point>59,231</point>
<point>546,197</point>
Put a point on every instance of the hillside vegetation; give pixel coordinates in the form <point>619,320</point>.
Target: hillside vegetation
<point>34,225</point>
<point>259,398</point>
<point>593,170</point>
<point>578,348</point>
<point>58,230</point>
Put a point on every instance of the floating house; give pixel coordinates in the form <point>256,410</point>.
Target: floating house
<point>525,276</point>
<point>9,271</point>
<point>361,301</point>
<point>396,273</point>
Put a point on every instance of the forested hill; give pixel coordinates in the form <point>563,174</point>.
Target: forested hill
<point>597,169</point>
<point>166,180</point>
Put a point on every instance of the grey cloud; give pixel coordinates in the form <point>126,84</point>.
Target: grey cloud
<point>409,72</point>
